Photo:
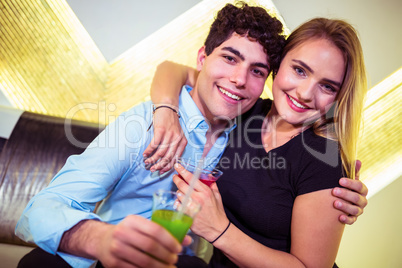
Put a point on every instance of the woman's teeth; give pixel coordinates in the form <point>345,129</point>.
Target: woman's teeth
<point>230,95</point>
<point>296,103</point>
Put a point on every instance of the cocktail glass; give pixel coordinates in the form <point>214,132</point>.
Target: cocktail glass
<point>169,212</point>
<point>207,175</point>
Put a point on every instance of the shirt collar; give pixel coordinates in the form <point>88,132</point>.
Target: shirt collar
<point>190,113</point>
<point>232,126</point>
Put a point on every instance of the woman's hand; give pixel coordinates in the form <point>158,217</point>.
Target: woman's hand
<point>168,142</point>
<point>211,221</point>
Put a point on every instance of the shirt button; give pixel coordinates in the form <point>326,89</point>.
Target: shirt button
<point>204,126</point>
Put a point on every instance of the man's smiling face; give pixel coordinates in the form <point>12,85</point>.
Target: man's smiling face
<point>231,78</point>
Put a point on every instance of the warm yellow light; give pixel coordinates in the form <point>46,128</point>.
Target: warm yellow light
<point>380,148</point>
<point>49,63</point>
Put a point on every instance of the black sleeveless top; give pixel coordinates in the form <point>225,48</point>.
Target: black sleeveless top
<point>258,188</point>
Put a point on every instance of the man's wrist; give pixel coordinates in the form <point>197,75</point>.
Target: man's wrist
<point>83,239</point>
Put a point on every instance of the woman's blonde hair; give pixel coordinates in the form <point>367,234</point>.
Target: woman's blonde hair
<point>348,107</point>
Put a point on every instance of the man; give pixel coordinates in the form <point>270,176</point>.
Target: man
<point>61,218</point>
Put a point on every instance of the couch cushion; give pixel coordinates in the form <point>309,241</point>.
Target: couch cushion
<point>37,148</point>
<point>2,142</point>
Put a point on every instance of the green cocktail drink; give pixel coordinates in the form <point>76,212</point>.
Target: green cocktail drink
<point>169,212</point>
<point>177,224</point>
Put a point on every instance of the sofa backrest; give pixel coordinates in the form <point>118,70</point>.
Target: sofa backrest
<point>36,150</point>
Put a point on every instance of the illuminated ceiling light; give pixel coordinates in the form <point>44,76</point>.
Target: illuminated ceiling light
<point>380,146</point>
<point>50,64</point>
<point>391,82</point>
<point>388,175</point>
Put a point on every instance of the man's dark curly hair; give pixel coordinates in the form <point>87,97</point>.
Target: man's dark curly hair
<point>253,21</point>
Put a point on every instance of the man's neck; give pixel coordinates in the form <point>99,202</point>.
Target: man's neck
<point>216,125</point>
<point>212,135</point>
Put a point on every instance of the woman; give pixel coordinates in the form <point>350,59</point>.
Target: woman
<point>281,214</point>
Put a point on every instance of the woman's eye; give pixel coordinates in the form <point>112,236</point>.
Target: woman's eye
<point>329,88</point>
<point>299,71</point>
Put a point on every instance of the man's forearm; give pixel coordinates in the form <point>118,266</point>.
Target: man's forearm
<point>84,239</point>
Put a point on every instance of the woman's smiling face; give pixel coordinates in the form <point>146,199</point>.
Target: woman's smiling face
<point>308,81</point>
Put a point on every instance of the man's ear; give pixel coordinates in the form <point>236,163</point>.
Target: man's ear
<point>201,58</point>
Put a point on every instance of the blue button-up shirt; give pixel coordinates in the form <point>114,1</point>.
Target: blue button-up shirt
<point>111,169</point>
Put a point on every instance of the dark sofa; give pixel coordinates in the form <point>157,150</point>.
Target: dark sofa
<point>29,158</point>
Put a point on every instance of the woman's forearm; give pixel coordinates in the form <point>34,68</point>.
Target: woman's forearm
<point>168,80</point>
<point>246,252</point>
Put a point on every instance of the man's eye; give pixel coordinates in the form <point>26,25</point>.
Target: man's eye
<point>258,72</point>
<point>229,58</point>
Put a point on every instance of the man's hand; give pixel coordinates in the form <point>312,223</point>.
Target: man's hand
<point>168,142</point>
<point>134,242</point>
<point>352,199</point>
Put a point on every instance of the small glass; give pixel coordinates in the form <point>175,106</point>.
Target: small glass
<point>168,212</point>
<point>207,175</point>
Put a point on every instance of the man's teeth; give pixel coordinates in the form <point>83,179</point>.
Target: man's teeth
<point>296,103</point>
<point>230,95</point>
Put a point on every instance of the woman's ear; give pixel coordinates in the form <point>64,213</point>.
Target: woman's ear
<point>201,58</point>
